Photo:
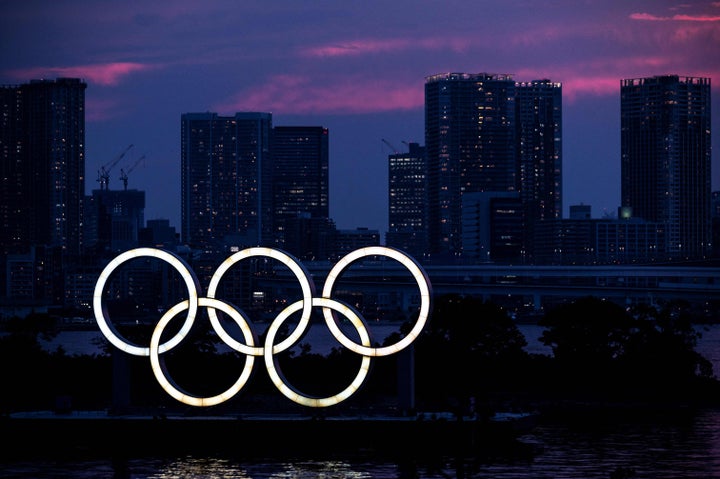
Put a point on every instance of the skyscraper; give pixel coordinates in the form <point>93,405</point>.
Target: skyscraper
<point>539,143</point>
<point>300,180</point>
<point>42,185</point>
<point>226,175</point>
<point>42,181</point>
<point>407,201</point>
<point>665,158</point>
<point>470,136</point>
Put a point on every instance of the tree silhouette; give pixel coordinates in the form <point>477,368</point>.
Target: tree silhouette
<point>469,347</point>
<point>599,346</point>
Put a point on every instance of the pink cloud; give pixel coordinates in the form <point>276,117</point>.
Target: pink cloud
<point>100,110</point>
<point>602,77</point>
<point>107,74</point>
<point>697,18</point>
<point>300,95</point>
<point>369,46</point>
<point>679,18</point>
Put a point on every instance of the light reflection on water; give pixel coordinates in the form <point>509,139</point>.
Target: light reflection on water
<point>653,445</point>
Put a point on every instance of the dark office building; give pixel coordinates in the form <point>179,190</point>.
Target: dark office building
<point>158,234</point>
<point>348,241</point>
<point>492,226</point>
<point>42,175</point>
<point>407,201</point>
<point>113,220</point>
<point>470,136</point>
<point>665,162</point>
<point>300,181</point>
<point>226,175</point>
<point>539,143</point>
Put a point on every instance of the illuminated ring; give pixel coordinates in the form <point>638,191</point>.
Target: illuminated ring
<point>100,311</point>
<point>274,371</point>
<point>421,279</point>
<point>308,290</point>
<point>161,373</point>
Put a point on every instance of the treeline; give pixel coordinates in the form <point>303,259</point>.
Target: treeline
<point>471,358</point>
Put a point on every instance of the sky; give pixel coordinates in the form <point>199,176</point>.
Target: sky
<point>357,67</point>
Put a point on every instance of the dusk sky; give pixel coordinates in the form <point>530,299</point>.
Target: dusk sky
<point>355,67</point>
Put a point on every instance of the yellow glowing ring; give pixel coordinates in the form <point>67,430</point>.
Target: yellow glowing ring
<point>420,277</point>
<point>160,370</point>
<point>307,286</point>
<point>276,375</point>
<point>109,330</point>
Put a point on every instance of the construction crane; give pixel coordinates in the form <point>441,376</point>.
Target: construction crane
<point>124,174</point>
<point>104,173</point>
<point>395,150</point>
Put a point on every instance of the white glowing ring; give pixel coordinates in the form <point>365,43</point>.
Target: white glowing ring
<point>307,286</point>
<point>160,370</point>
<point>308,301</point>
<point>276,375</point>
<point>421,279</point>
<point>109,330</point>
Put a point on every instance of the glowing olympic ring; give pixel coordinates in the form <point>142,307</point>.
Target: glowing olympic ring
<point>100,312</point>
<point>269,349</point>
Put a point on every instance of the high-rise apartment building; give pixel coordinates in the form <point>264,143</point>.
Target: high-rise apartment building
<point>470,136</point>
<point>300,181</point>
<point>486,133</point>
<point>539,143</point>
<point>665,158</point>
<point>407,201</point>
<point>226,179</point>
<point>42,150</point>
<point>42,180</point>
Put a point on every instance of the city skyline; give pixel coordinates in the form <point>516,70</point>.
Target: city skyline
<point>356,70</point>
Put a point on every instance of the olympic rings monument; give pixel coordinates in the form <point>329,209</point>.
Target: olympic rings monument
<point>282,435</point>
<point>250,347</point>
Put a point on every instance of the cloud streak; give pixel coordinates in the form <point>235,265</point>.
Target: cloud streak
<point>303,95</point>
<point>106,74</point>
<point>676,18</point>
<point>391,45</point>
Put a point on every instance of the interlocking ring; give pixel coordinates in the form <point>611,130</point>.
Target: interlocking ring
<point>269,349</point>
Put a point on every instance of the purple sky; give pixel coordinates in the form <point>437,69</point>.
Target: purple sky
<point>356,67</point>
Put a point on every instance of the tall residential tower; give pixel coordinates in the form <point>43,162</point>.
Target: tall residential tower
<point>42,184</point>
<point>470,138</point>
<point>226,176</point>
<point>43,164</point>
<point>539,143</point>
<point>665,158</point>
<point>486,133</point>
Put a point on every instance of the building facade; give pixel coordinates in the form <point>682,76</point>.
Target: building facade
<point>113,220</point>
<point>470,138</point>
<point>665,158</point>
<point>42,178</point>
<point>486,133</point>
<point>300,179</point>
<point>43,161</point>
<point>539,143</point>
<point>407,201</point>
<point>492,228</point>
<point>226,177</point>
